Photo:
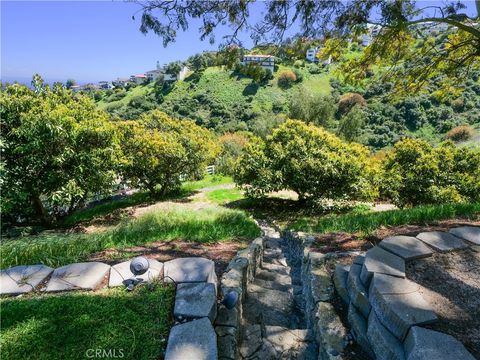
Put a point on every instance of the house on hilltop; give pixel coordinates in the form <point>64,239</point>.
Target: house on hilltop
<point>138,79</point>
<point>265,61</point>
<point>312,54</point>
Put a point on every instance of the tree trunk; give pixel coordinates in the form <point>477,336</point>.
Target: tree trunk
<point>39,210</point>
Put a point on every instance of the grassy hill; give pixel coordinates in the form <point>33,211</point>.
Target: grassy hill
<point>226,101</point>
<point>217,98</point>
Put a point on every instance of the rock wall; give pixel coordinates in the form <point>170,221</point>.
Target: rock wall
<point>318,292</point>
<point>239,273</point>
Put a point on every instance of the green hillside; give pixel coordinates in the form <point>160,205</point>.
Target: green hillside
<point>226,101</point>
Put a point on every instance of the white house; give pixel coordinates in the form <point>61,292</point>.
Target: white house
<point>139,78</point>
<point>312,54</point>
<point>120,82</point>
<point>153,75</point>
<point>105,85</point>
<point>265,61</point>
<point>182,74</point>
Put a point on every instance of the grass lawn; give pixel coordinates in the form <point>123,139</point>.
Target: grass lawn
<point>222,196</point>
<point>366,223</point>
<point>141,198</point>
<point>133,325</point>
<point>207,181</point>
<point>200,226</point>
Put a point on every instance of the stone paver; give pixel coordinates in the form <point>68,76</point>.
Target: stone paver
<point>121,272</point>
<point>195,300</point>
<point>381,261</point>
<point>359,329</point>
<point>190,269</point>
<point>470,233</point>
<point>192,340</point>
<point>384,344</point>
<point>22,279</point>
<point>86,276</point>
<point>357,291</point>
<point>398,305</point>
<point>407,247</point>
<point>442,241</point>
<point>340,277</point>
<point>425,344</point>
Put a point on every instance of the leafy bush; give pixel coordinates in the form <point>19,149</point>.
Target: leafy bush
<point>312,107</point>
<point>308,160</point>
<point>348,101</point>
<point>351,124</point>
<point>460,133</point>
<point>57,150</point>
<point>416,173</point>
<point>232,145</point>
<point>286,78</point>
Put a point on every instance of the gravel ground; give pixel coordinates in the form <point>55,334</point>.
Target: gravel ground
<point>450,282</point>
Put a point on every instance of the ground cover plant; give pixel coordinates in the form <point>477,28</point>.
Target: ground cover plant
<point>366,223</point>
<point>204,226</point>
<point>131,325</point>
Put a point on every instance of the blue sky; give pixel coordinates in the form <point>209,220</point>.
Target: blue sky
<point>86,41</point>
<point>91,40</point>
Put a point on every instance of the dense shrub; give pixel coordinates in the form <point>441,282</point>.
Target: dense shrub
<point>232,145</point>
<point>348,101</point>
<point>350,125</point>
<point>160,151</point>
<point>460,133</point>
<point>416,173</point>
<point>286,79</point>
<point>57,151</point>
<point>308,160</point>
<point>312,107</point>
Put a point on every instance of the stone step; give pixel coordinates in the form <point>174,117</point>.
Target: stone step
<point>340,277</point>
<point>398,304</point>
<point>359,329</point>
<point>442,241</point>
<point>22,279</point>
<point>384,344</point>
<point>274,276</point>
<point>356,290</point>
<point>272,285</point>
<point>407,247</point>
<point>469,233</point>
<point>267,306</point>
<point>425,344</point>
<point>281,269</point>
<point>381,261</point>
<point>192,340</point>
<point>290,343</point>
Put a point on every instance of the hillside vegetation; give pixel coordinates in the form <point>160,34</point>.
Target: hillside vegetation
<point>370,111</point>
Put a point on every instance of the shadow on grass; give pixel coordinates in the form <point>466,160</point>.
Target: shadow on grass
<point>109,206</point>
<point>66,326</point>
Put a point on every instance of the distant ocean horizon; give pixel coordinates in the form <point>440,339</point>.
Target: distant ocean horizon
<point>27,80</point>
